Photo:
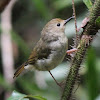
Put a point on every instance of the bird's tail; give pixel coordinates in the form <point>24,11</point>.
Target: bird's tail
<point>19,70</point>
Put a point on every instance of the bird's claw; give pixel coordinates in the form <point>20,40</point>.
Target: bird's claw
<point>69,52</point>
<point>87,38</point>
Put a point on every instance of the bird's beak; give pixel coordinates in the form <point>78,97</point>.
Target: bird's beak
<point>68,20</point>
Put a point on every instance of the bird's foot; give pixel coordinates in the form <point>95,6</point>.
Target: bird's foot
<point>87,38</point>
<point>71,51</point>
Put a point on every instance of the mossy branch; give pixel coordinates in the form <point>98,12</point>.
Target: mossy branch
<point>91,29</point>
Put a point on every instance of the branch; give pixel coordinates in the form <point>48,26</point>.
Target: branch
<point>91,29</point>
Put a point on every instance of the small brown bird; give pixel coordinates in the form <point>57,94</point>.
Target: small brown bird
<point>50,49</point>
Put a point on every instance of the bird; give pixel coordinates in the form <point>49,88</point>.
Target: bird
<point>50,50</point>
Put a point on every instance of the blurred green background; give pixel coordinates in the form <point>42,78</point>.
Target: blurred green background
<point>28,17</point>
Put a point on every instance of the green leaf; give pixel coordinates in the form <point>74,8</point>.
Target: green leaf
<point>18,96</point>
<point>88,3</point>
<point>36,97</point>
<point>92,81</point>
<point>98,22</point>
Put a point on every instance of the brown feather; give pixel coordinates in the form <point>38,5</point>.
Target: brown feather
<point>41,53</point>
<point>19,70</point>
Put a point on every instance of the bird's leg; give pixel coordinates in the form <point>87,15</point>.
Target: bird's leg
<point>71,51</point>
<point>55,79</point>
<point>86,38</point>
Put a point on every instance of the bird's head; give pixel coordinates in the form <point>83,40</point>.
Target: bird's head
<point>56,25</point>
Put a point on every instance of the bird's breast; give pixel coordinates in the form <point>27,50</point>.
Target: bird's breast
<point>61,43</point>
<point>58,52</point>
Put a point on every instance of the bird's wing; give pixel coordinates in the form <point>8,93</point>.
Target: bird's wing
<point>40,51</point>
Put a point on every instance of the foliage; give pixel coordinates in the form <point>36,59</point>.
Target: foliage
<point>18,96</point>
<point>98,22</point>
<point>88,3</point>
<point>92,82</point>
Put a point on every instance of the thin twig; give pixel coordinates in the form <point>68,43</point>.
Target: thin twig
<point>74,14</point>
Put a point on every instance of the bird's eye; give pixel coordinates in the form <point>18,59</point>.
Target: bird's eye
<point>58,24</point>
